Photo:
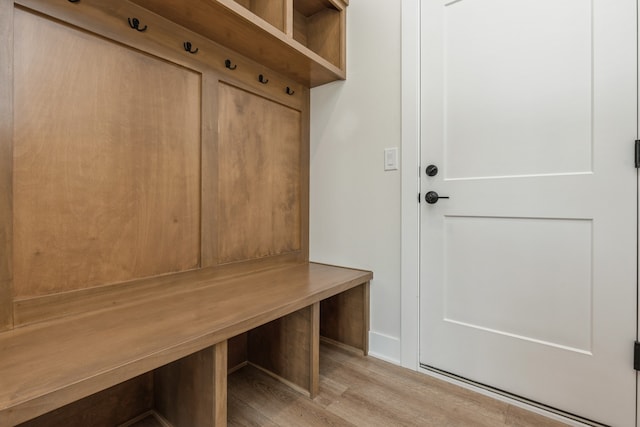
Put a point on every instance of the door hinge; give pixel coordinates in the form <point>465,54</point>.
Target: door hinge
<point>637,153</point>
<point>636,356</point>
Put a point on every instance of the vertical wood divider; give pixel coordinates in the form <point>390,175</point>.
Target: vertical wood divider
<point>192,391</point>
<point>365,317</point>
<point>288,18</point>
<point>220,384</point>
<point>6,164</point>
<point>305,153</point>
<point>288,348</point>
<point>209,168</point>
<point>343,38</point>
<point>314,351</point>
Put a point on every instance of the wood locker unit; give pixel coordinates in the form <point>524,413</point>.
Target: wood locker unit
<point>154,217</point>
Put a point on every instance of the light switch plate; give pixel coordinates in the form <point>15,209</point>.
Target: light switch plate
<point>391,159</point>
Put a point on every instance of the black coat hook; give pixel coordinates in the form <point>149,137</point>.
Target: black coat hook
<point>290,91</point>
<point>227,63</point>
<point>262,80</point>
<point>74,1</point>
<point>135,24</point>
<point>187,47</point>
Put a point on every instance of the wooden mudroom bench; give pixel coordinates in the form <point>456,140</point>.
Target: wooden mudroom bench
<point>182,337</point>
<point>154,207</point>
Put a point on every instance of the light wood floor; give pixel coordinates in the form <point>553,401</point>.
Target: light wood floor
<point>363,391</point>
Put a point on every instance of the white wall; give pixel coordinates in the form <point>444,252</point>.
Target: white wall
<point>355,205</point>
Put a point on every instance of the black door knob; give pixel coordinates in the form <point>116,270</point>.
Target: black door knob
<point>432,197</point>
<point>432,170</point>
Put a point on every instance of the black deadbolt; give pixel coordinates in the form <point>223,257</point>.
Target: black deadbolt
<point>432,170</point>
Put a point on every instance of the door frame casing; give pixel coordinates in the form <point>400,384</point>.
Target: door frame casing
<point>410,209</point>
<point>410,182</point>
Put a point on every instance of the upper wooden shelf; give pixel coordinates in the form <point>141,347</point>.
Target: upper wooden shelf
<point>303,39</point>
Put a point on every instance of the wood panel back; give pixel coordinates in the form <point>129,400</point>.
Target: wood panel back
<point>106,161</point>
<point>6,163</point>
<point>107,408</point>
<point>272,11</point>
<point>238,356</point>
<point>259,177</point>
<point>344,318</point>
<point>324,34</point>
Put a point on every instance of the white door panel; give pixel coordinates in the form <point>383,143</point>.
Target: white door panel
<point>544,297</point>
<point>518,83</point>
<point>528,271</point>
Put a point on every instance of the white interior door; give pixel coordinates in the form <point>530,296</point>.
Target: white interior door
<point>528,271</point>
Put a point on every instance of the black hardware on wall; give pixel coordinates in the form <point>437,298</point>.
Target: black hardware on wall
<point>135,24</point>
<point>289,91</point>
<point>74,1</point>
<point>187,47</point>
<point>262,80</point>
<point>227,63</point>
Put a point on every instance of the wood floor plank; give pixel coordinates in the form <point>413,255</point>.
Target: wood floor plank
<point>240,414</point>
<point>423,395</point>
<point>148,421</point>
<point>279,404</point>
<point>364,391</point>
<point>391,403</point>
<point>518,417</point>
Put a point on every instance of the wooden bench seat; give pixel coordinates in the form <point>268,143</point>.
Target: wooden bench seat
<point>46,365</point>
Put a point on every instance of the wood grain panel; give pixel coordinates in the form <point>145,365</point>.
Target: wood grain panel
<point>320,26</point>
<point>33,310</point>
<point>311,7</point>
<point>220,353</point>
<point>237,354</point>
<point>107,408</point>
<point>345,318</point>
<point>271,11</point>
<point>324,35</point>
<point>288,347</point>
<point>288,18</point>
<point>109,19</point>
<point>187,391</point>
<point>150,419</point>
<point>300,28</point>
<point>244,3</point>
<point>209,167</point>
<point>6,163</point>
<point>259,177</point>
<point>106,171</point>
<point>305,156</point>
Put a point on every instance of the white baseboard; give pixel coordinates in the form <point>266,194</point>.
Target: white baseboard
<point>384,347</point>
